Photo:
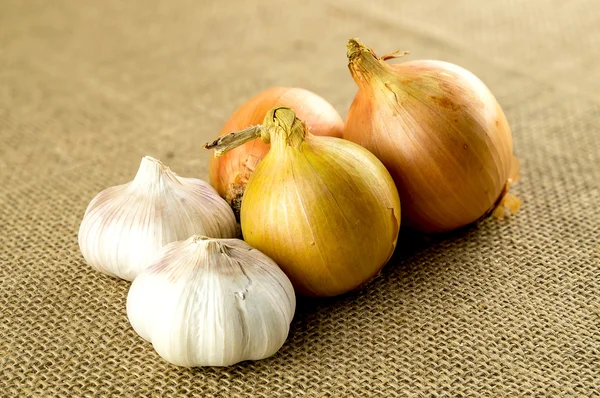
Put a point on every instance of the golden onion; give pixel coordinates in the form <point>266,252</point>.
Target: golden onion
<point>441,134</point>
<point>325,209</point>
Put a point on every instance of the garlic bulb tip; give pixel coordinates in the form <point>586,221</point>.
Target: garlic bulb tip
<point>126,226</point>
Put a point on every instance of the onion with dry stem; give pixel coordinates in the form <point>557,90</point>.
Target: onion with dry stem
<point>325,209</point>
<point>441,134</point>
<point>230,172</point>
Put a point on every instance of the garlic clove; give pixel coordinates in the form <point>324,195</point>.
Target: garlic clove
<point>125,227</point>
<point>212,302</point>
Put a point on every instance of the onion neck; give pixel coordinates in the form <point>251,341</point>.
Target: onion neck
<point>282,128</point>
<point>364,64</point>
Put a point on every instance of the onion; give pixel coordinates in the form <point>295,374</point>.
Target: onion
<point>325,209</point>
<point>441,134</point>
<point>230,172</point>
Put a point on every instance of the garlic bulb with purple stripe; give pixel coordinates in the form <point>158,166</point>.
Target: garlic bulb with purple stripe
<point>212,302</point>
<point>125,227</point>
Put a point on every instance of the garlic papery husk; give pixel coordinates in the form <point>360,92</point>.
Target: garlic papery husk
<point>212,302</point>
<point>125,227</point>
<point>325,209</point>
<point>439,131</point>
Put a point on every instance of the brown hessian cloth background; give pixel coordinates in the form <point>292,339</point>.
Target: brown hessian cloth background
<point>504,309</point>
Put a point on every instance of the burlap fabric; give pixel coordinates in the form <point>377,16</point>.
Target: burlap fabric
<point>508,308</point>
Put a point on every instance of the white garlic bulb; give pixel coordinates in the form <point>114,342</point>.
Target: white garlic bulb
<point>125,227</point>
<point>212,302</point>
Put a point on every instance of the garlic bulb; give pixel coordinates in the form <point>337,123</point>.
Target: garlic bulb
<point>212,302</point>
<point>124,227</point>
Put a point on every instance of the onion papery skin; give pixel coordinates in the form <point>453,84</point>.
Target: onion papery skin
<point>229,173</point>
<point>439,131</point>
<point>325,209</point>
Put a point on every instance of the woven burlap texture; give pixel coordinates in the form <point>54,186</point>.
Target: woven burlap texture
<point>504,309</point>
